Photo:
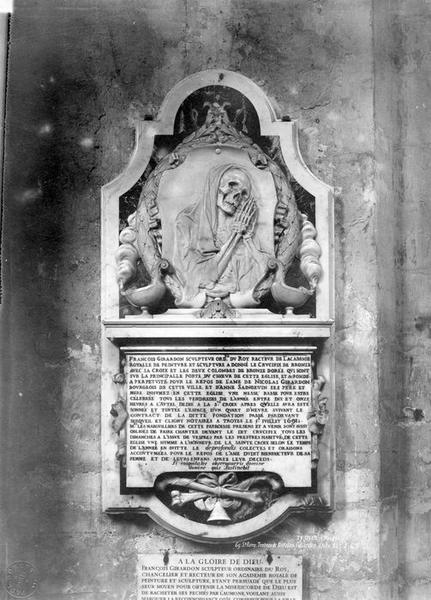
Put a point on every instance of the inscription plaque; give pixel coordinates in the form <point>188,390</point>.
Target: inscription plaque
<point>230,410</point>
<point>213,576</point>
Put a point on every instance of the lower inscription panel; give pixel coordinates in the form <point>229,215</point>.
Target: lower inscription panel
<point>230,410</point>
<point>214,576</point>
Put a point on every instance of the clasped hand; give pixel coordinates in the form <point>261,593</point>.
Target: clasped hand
<point>245,218</point>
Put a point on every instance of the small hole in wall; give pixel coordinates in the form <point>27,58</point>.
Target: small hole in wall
<point>418,414</point>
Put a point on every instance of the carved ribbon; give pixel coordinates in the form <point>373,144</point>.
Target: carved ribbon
<point>120,415</point>
<point>317,418</point>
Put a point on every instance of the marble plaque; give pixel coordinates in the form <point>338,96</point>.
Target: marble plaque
<point>235,410</point>
<point>214,576</point>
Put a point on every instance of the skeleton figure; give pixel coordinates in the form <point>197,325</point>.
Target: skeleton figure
<point>217,247</point>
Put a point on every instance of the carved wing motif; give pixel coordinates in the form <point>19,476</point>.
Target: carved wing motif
<point>286,219</point>
<point>148,224</point>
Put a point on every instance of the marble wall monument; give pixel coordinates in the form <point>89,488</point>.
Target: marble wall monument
<point>217,377</point>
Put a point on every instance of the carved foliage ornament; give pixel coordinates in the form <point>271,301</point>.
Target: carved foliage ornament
<point>233,239</point>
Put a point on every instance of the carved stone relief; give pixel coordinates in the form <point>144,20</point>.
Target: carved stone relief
<point>217,219</point>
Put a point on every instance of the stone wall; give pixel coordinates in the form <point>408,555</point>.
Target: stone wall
<point>355,75</point>
<point>413,263</point>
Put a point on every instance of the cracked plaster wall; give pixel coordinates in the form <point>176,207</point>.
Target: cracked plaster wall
<point>350,73</point>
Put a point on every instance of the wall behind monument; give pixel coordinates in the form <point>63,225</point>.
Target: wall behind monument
<point>356,76</point>
<point>413,263</point>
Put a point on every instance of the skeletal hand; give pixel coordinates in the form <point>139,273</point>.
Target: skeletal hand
<point>245,218</point>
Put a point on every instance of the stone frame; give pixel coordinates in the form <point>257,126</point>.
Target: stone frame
<point>118,332</point>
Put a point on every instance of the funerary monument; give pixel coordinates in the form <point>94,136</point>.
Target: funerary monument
<point>217,378</point>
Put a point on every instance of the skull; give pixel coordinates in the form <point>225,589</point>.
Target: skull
<point>234,187</point>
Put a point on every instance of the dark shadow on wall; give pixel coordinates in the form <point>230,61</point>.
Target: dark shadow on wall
<point>70,84</point>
